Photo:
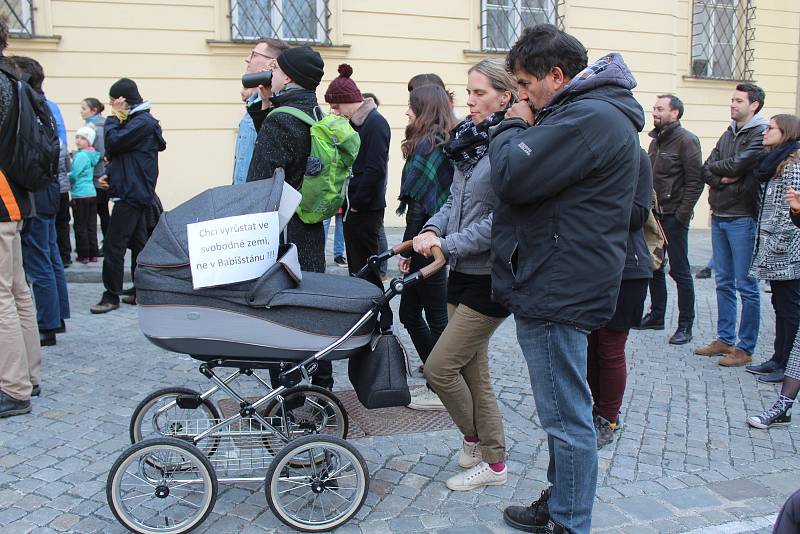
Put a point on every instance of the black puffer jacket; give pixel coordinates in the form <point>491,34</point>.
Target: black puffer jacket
<point>566,188</point>
<point>367,188</point>
<point>677,164</point>
<point>638,263</point>
<point>735,157</point>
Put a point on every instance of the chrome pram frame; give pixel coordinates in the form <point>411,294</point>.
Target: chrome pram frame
<point>266,440</point>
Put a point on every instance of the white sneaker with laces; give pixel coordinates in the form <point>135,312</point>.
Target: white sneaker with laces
<point>479,475</point>
<point>470,454</point>
<point>426,400</point>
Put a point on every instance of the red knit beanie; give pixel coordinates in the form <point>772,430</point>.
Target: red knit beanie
<point>343,90</point>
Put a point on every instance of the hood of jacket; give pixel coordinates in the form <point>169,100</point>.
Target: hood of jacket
<point>363,112</point>
<point>92,154</point>
<point>144,106</point>
<point>299,98</point>
<point>756,121</point>
<point>608,79</point>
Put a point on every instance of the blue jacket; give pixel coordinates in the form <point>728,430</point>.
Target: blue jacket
<point>81,176</point>
<point>245,143</point>
<point>132,148</point>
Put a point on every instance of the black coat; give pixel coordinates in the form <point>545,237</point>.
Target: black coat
<point>677,163</point>
<point>638,263</point>
<point>367,188</point>
<point>132,149</point>
<point>285,142</point>
<point>566,189</point>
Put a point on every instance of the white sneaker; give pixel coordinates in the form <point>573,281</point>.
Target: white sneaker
<point>426,400</point>
<point>479,475</point>
<point>470,454</point>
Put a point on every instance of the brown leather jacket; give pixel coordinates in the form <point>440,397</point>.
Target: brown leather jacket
<point>677,170</point>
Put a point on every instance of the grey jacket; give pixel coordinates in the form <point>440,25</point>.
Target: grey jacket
<point>464,222</point>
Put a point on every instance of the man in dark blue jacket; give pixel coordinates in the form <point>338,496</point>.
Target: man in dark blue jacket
<point>566,187</point>
<point>132,141</point>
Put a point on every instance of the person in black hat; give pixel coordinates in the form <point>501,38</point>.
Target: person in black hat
<point>132,142</point>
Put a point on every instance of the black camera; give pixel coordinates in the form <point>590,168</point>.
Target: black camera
<point>254,79</point>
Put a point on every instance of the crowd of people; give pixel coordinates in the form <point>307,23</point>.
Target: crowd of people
<point>541,199</point>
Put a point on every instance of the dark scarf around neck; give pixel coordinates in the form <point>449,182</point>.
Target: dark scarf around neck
<point>768,162</point>
<point>469,142</point>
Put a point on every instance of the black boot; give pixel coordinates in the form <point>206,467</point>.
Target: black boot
<point>650,322</point>
<point>533,518</point>
<point>47,338</point>
<point>682,336</point>
<point>10,406</point>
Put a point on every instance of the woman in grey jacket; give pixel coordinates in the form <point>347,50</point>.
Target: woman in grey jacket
<point>458,366</point>
<point>92,114</point>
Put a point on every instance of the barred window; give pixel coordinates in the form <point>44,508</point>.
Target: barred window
<point>502,21</point>
<point>18,13</point>
<point>295,21</point>
<point>722,39</point>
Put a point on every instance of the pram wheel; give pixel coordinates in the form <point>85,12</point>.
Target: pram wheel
<point>309,410</point>
<point>161,485</point>
<point>159,414</point>
<point>316,483</point>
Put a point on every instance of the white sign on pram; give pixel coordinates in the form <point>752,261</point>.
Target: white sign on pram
<point>232,249</point>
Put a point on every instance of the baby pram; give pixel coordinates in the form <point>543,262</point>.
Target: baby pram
<point>290,437</point>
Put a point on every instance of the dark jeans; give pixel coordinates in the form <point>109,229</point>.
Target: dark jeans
<point>102,210</point>
<point>679,270</point>
<point>607,372</point>
<point>45,272</point>
<point>62,228</point>
<point>786,303</point>
<point>126,229</point>
<point>84,212</point>
<point>362,240</point>
<point>428,296</point>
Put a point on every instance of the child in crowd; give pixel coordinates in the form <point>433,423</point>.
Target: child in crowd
<point>84,195</point>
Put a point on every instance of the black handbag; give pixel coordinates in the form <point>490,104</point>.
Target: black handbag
<point>380,375</point>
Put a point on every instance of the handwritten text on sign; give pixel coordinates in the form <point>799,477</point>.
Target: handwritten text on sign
<point>232,249</point>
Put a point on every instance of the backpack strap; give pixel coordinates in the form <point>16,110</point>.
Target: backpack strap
<point>296,113</point>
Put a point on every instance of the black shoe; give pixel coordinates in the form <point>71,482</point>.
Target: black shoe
<point>129,299</point>
<point>36,391</point>
<point>703,273</point>
<point>682,336</point>
<point>775,377</point>
<point>533,518</point>
<point>340,261</point>
<point>61,329</point>
<point>762,368</point>
<point>650,323</point>
<point>47,338</point>
<point>778,415</point>
<point>605,434</point>
<point>130,291</point>
<point>10,406</point>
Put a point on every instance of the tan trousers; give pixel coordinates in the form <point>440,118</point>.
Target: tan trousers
<point>20,355</point>
<point>458,371</point>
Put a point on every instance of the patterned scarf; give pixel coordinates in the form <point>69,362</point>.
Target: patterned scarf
<point>469,142</point>
<point>768,161</point>
<point>427,176</point>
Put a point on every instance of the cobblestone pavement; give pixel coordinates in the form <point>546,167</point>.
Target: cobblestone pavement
<point>685,462</point>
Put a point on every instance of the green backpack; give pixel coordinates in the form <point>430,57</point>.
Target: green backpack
<point>335,144</point>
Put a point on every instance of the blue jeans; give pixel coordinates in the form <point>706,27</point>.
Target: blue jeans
<point>43,268</point>
<point>556,356</point>
<point>732,242</point>
<point>338,235</point>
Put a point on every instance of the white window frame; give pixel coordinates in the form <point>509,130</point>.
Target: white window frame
<point>26,15</point>
<point>549,9</point>
<point>276,11</point>
<point>711,48</point>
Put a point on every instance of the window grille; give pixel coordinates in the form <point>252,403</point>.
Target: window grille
<point>19,15</point>
<point>294,21</point>
<point>502,21</point>
<point>723,33</point>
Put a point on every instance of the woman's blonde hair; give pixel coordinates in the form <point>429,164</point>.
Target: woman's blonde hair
<point>499,78</point>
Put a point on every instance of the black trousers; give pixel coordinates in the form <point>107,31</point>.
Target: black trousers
<point>786,303</point>
<point>102,210</point>
<point>84,213</point>
<point>62,228</point>
<point>126,229</point>
<point>679,270</point>
<point>362,231</point>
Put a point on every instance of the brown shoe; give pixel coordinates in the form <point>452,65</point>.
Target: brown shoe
<point>715,348</point>
<point>736,359</point>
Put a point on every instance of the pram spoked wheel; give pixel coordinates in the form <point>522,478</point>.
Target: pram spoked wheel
<point>177,412</point>
<point>161,485</point>
<point>316,483</point>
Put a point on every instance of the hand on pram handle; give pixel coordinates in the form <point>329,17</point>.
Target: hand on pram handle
<point>397,284</point>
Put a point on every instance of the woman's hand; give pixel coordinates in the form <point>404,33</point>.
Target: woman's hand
<point>793,199</point>
<point>424,241</point>
<point>103,181</point>
<point>728,181</point>
<point>118,104</point>
<point>404,265</point>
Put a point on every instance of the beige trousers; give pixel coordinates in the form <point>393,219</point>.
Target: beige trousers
<point>20,355</point>
<point>458,371</point>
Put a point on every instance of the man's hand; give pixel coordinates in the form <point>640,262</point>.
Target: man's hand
<point>404,265</point>
<point>793,199</point>
<point>103,181</point>
<point>424,241</point>
<point>728,181</point>
<point>522,110</point>
<point>118,104</point>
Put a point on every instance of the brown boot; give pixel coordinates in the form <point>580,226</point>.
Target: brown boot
<point>715,348</point>
<point>736,359</point>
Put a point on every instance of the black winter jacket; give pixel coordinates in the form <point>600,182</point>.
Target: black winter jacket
<point>735,157</point>
<point>132,149</point>
<point>638,263</point>
<point>677,163</point>
<point>367,188</point>
<point>15,203</point>
<point>566,188</point>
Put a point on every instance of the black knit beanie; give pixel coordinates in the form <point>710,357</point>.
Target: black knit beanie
<point>127,88</point>
<point>303,65</point>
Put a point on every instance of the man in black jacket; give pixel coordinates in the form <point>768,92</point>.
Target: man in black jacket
<point>132,141</point>
<point>734,201</point>
<point>566,187</point>
<point>677,178</point>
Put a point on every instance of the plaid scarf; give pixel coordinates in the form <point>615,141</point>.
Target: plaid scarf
<point>469,142</point>
<point>426,179</point>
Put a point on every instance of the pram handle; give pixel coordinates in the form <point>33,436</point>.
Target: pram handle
<point>428,270</point>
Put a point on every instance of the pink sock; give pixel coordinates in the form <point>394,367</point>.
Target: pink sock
<point>498,467</point>
<point>471,439</point>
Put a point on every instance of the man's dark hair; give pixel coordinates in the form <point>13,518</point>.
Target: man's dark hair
<point>3,33</point>
<point>675,103</point>
<point>542,47</point>
<point>31,67</point>
<point>754,94</point>
<point>373,97</point>
<point>275,44</point>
